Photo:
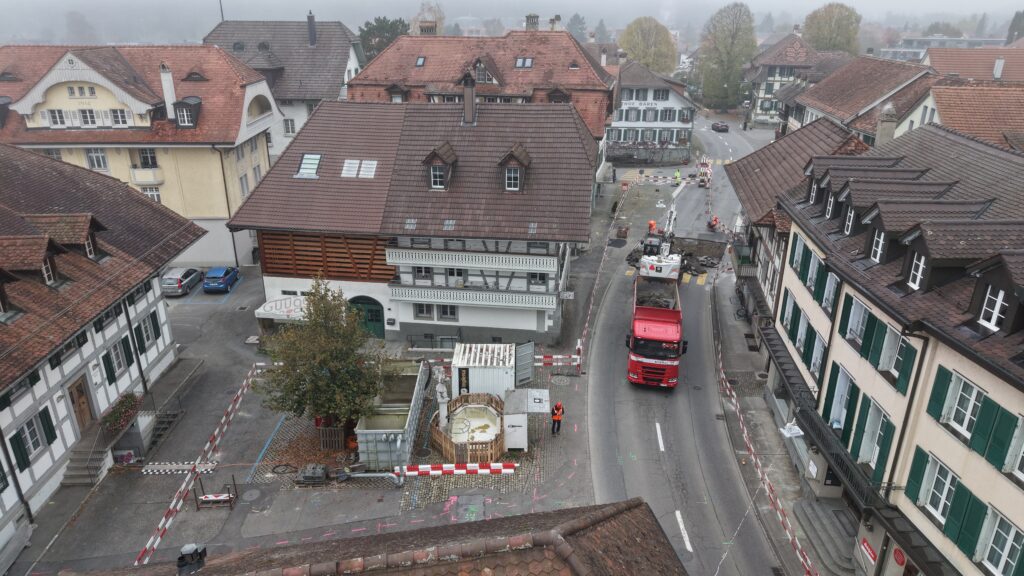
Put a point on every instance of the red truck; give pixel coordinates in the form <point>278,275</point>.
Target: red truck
<point>655,341</point>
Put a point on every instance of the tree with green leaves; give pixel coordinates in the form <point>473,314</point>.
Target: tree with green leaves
<point>601,33</point>
<point>377,35</point>
<point>727,44</point>
<point>453,29</point>
<point>326,366</point>
<point>648,42</point>
<point>944,29</point>
<point>834,26</point>
<point>1016,30</point>
<point>577,26</point>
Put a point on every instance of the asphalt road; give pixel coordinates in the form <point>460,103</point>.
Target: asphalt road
<point>671,447</point>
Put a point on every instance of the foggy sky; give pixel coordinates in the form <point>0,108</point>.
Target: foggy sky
<point>149,21</point>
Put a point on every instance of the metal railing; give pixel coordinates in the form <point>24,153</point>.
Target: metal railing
<point>472,295</point>
<point>475,260</point>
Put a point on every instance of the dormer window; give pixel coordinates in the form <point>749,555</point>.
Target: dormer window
<point>482,75</point>
<point>829,206</point>
<point>195,77</point>
<point>437,176</point>
<point>90,247</point>
<point>814,193</point>
<point>574,65</point>
<point>49,271</point>
<point>850,215</point>
<point>238,46</point>
<point>877,246</point>
<point>184,116</point>
<point>513,178</point>
<point>263,47</point>
<point>524,62</point>
<point>993,311</point>
<point>917,262</point>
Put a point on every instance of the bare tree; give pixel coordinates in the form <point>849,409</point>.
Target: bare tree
<point>494,27</point>
<point>834,26</point>
<point>726,45</point>
<point>649,43</point>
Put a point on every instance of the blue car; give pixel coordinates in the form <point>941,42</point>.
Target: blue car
<point>220,279</point>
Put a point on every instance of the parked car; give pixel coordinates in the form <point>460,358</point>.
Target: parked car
<point>220,279</point>
<point>720,127</point>
<point>179,281</point>
<point>746,104</point>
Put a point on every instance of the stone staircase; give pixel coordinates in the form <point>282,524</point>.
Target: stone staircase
<point>165,422</point>
<point>832,532</point>
<point>86,466</point>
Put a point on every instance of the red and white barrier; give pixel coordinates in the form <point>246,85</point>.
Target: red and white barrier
<point>146,553</point>
<point>471,468</point>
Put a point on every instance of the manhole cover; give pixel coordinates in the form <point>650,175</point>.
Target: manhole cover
<point>423,452</point>
<point>762,375</point>
<point>243,308</point>
<point>250,495</point>
<point>560,380</point>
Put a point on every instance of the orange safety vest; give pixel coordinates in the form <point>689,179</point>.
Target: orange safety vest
<point>556,413</point>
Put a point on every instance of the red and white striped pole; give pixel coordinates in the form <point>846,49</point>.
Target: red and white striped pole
<point>469,469</point>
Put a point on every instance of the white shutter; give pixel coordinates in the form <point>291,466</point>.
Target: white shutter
<point>73,119</point>
<point>105,118</point>
<point>130,116</point>
<point>44,117</point>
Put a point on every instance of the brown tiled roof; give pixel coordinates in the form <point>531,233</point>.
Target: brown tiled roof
<point>903,101</point>
<point>788,93</point>
<point>900,216</point>
<point>791,50</point>
<point>137,70</point>
<point>977,63</point>
<point>310,72</point>
<point>758,177</point>
<point>143,236</point>
<point>64,228</point>
<point>601,540</point>
<point>854,87</point>
<point>611,50</point>
<point>865,192</point>
<point>554,200</point>
<point>989,111</point>
<point>969,240</point>
<point>827,63</point>
<point>633,73</point>
<point>870,164</point>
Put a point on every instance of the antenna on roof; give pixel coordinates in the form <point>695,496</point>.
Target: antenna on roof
<point>221,2</point>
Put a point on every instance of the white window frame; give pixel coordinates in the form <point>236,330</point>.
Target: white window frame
<point>427,312</point>
<point>147,158</point>
<point>118,117</point>
<point>257,173</point>
<point>309,165</point>
<point>814,193</point>
<point>513,180</point>
<point>88,116</point>
<point>993,309</point>
<point>943,493</point>
<point>253,144</point>
<point>858,321</point>
<point>31,433</point>
<point>787,312</point>
<point>818,356</point>
<point>422,273</point>
<point>437,176</point>
<point>240,152</point>
<point>828,299</point>
<point>184,116</point>
<point>963,389</point>
<point>801,334</point>
<point>117,358</point>
<point>812,271</point>
<point>152,192</point>
<point>57,117</point>
<point>243,184</point>
<point>876,433</point>
<point>829,206</point>
<point>917,267</point>
<point>877,246</point>
<point>149,332</point>
<point>53,154</point>
<point>537,278</point>
<point>893,350</point>
<point>97,158</point>
<point>850,215</point>
<point>90,246</point>
<point>1014,537</point>
<point>844,382</point>
<point>48,273</point>
<point>289,127</point>
<point>453,316</point>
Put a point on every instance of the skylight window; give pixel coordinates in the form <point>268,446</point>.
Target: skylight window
<point>308,166</point>
<point>420,61</point>
<point>524,62</point>
<point>368,169</point>
<point>350,169</point>
<point>448,225</point>
<point>410,223</point>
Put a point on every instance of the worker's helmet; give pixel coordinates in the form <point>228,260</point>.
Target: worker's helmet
<point>558,404</point>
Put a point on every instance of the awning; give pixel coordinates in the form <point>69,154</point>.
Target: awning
<point>287,309</point>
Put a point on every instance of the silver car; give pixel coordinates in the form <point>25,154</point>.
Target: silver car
<point>179,281</point>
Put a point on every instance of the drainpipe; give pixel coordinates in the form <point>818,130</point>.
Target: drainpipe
<point>135,351</point>
<point>227,201</point>
<point>17,485</point>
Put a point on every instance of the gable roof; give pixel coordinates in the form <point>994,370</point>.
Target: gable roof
<point>554,202</point>
<point>609,49</point>
<point>903,101</point>
<point>993,112</point>
<point>790,50</point>
<point>857,85</point>
<point>45,203</point>
<point>310,72</point>
<point>136,69</point>
<point>635,74</point>
<point>600,540</point>
<point>977,63</point>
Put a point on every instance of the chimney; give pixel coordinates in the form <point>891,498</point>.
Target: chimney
<point>886,129</point>
<point>428,28</point>
<point>796,29</point>
<point>997,71</point>
<point>532,22</point>
<point>311,26</point>
<point>468,99</point>
<point>870,51</point>
<point>167,85</point>
<point>591,38</point>
<point>604,57</point>
<point>554,22</point>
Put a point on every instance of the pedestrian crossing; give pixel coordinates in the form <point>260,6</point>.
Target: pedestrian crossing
<point>687,278</point>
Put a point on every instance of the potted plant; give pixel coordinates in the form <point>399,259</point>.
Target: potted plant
<point>121,413</point>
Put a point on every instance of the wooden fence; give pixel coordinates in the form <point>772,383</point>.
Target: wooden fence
<point>464,452</point>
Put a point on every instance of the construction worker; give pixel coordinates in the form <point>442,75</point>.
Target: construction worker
<point>678,176</point>
<point>556,418</point>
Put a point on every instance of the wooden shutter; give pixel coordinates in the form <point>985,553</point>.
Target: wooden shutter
<point>98,324</point>
<point>810,338</point>
<point>916,477</point>
<point>830,394</point>
<point>3,480</point>
<point>970,531</point>
<point>957,512</point>
<point>858,432</point>
<point>154,321</point>
<point>983,425</point>
<point>108,367</point>
<point>883,452</point>
<point>785,301</point>
<point>820,281</point>
<point>878,342</point>
<point>869,333</point>
<point>140,344</point>
<point>1002,434</point>
<point>844,318</point>
<point>937,401</point>
<point>794,325</point>
<point>48,430</point>
<point>851,410</point>
<point>792,250</point>
<point>20,453</point>
<point>906,368</point>
<point>126,347</point>
<point>805,265</point>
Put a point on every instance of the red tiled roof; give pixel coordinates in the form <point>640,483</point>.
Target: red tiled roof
<point>136,69</point>
<point>977,63</point>
<point>903,102</point>
<point>63,228</point>
<point>791,50</point>
<point>143,237</point>
<point>858,84</point>
<point>989,112</point>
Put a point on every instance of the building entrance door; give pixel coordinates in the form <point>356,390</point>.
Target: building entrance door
<point>373,315</point>
<point>80,402</point>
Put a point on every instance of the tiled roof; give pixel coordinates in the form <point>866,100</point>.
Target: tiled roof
<point>64,228</point>
<point>143,236</point>
<point>791,50</point>
<point>903,101</point>
<point>554,203</point>
<point>310,72</point>
<point>977,63</point>
<point>788,93</point>
<point>601,540</point>
<point>137,70</point>
<point>863,193</point>
<point>990,111</point>
<point>611,51</point>
<point>758,177</point>
<point>635,74</point>
<point>882,165</point>
<point>857,85</point>
<point>986,180</point>
<point>827,63</point>
<point>901,215</point>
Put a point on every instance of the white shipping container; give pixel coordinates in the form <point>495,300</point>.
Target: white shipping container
<point>483,368</point>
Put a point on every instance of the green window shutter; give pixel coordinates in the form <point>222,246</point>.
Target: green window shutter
<point>937,401</point>
<point>917,468</point>
<point>869,332</point>
<point>821,372</point>
<point>883,452</point>
<point>139,342</point>
<point>819,283</point>
<point>785,301</point>
<point>3,481</point>
<point>957,511</point>
<point>983,425</point>
<point>830,393</point>
<point>5,400</point>
<point>154,321</point>
<point>878,342</point>
<point>809,339</point>
<point>97,324</point>
<point>805,265</point>
<point>1002,435</point>
<point>126,347</point>
<point>108,367</point>
<point>858,432</point>
<point>20,453</point>
<point>794,325</point>
<point>974,519</point>
<point>844,318</point>
<point>851,409</point>
<point>48,430</point>
<point>792,250</point>
<point>909,357</point>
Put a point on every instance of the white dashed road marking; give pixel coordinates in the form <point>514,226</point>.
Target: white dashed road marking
<point>661,443</point>
<point>686,537</point>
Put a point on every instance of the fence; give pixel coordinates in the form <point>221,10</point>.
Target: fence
<point>463,452</point>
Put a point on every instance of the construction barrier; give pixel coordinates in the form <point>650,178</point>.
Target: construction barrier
<point>470,468</point>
